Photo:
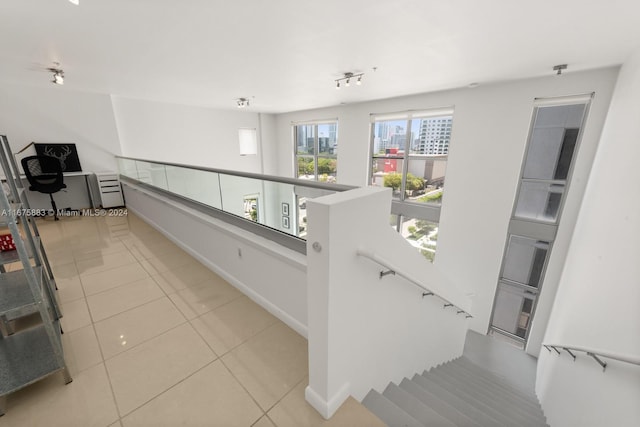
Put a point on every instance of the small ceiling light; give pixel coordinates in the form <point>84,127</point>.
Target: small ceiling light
<point>58,74</point>
<point>559,68</point>
<point>347,79</point>
<point>76,2</point>
<point>242,102</point>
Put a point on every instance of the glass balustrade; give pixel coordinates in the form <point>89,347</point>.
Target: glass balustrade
<point>275,202</point>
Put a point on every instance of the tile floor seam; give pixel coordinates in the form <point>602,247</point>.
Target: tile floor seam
<point>237,345</point>
<point>146,340</point>
<point>164,391</point>
<point>104,364</point>
<point>244,388</point>
<point>127,310</point>
<point>264,416</point>
<point>98,255</point>
<point>107,269</point>
<point>211,310</point>
<point>120,286</point>
<point>286,394</point>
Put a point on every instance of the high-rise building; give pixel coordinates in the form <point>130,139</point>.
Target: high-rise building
<point>435,134</point>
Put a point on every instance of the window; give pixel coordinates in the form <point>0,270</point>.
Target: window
<point>546,171</point>
<point>409,153</point>
<point>316,151</point>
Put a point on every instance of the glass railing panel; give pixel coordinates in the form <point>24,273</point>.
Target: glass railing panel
<point>275,202</point>
<point>280,207</point>
<point>244,197</point>
<point>198,185</point>
<point>127,167</point>
<point>152,173</point>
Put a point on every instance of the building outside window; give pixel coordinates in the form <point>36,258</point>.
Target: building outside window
<point>316,150</point>
<point>409,153</point>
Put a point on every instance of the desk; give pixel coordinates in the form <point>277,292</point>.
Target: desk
<point>86,176</point>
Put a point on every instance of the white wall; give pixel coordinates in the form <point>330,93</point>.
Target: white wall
<point>190,135</point>
<point>490,129</point>
<point>365,331</point>
<point>270,274</point>
<point>597,302</point>
<point>57,114</point>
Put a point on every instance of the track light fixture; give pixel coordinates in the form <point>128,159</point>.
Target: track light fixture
<point>242,102</point>
<point>58,74</point>
<point>559,68</point>
<point>347,79</point>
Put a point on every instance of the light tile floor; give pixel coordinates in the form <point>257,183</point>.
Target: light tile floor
<point>154,338</point>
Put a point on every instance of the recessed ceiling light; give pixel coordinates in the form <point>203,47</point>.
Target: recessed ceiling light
<point>76,2</point>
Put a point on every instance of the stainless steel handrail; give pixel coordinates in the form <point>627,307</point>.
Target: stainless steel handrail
<point>274,178</point>
<point>594,353</point>
<point>393,270</point>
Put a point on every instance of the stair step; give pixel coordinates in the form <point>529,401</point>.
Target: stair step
<point>437,404</point>
<point>414,407</point>
<point>461,405</point>
<point>388,411</point>
<point>486,402</point>
<point>472,399</point>
<point>497,393</point>
<point>494,377</point>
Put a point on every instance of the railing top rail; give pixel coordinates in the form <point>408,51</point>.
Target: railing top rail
<point>384,263</point>
<point>634,360</point>
<point>274,178</point>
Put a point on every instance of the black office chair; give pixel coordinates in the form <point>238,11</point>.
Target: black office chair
<point>44,174</point>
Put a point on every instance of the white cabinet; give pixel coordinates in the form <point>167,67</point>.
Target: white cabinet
<point>110,190</point>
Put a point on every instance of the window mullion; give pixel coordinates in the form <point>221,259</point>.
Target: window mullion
<point>405,161</point>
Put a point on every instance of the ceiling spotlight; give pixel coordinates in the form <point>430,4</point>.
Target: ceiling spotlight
<point>76,2</point>
<point>347,79</point>
<point>58,74</point>
<point>559,68</point>
<point>242,102</point>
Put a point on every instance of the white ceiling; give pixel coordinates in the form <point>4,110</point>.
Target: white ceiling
<point>287,53</point>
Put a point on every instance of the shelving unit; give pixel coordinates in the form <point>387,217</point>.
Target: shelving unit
<point>28,355</point>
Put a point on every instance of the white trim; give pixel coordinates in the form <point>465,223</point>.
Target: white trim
<point>413,114</point>
<point>564,100</point>
<point>327,408</point>
<point>315,122</point>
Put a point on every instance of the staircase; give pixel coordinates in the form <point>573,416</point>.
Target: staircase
<point>459,393</point>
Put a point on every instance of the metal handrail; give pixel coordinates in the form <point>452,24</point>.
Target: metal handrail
<point>274,178</point>
<point>394,271</point>
<point>595,354</point>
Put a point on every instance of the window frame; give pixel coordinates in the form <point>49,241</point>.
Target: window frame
<point>316,155</point>
<point>402,208</point>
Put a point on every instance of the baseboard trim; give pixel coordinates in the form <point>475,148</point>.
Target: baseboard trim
<point>326,408</point>
<point>254,296</point>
